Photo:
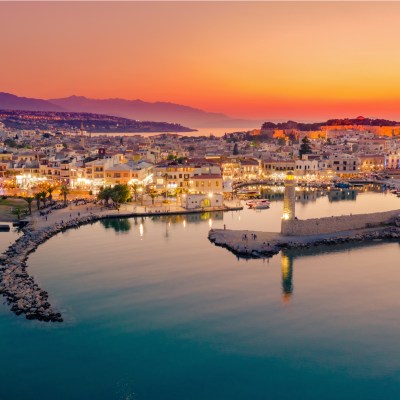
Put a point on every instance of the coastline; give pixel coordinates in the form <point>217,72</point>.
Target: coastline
<point>19,288</point>
<point>24,296</point>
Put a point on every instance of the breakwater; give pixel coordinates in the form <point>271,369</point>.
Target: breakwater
<point>249,244</point>
<point>315,226</point>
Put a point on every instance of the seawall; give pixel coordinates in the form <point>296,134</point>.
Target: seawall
<point>318,226</point>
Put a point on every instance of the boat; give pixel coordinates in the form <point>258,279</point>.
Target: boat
<point>247,192</point>
<point>342,185</point>
<point>4,228</point>
<point>260,207</point>
<point>258,204</point>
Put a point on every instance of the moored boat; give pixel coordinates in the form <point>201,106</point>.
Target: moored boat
<point>258,204</point>
<point>342,185</point>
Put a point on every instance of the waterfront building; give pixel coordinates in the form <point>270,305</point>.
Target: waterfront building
<point>277,169</point>
<point>374,162</point>
<point>117,174</point>
<point>207,183</point>
<point>175,176</point>
<point>392,160</point>
<point>344,163</point>
<point>199,201</point>
<point>306,166</point>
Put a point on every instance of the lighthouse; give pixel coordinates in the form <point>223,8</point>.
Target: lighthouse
<point>289,198</point>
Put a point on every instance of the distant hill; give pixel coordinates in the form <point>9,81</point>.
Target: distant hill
<point>11,102</point>
<point>132,109</point>
<point>331,122</point>
<point>158,111</point>
<point>55,120</point>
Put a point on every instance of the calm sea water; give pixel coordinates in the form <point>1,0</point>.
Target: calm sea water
<point>199,132</point>
<point>155,311</point>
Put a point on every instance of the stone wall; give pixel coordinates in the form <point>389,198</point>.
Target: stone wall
<point>317,226</point>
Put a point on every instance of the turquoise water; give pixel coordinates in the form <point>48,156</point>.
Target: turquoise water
<point>155,311</point>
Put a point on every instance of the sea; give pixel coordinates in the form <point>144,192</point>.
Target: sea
<point>199,132</point>
<point>154,310</point>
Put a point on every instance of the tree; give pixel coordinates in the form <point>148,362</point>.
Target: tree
<point>281,141</point>
<point>165,177</point>
<point>135,189</point>
<point>38,197</point>
<point>120,194</point>
<point>29,200</point>
<point>105,194</point>
<point>18,211</point>
<point>44,197</point>
<point>235,150</point>
<point>153,194</point>
<point>64,192</point>
<point>305,147</point>
<point>50,191</point>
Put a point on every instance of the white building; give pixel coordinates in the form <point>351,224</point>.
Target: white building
<point>199,201</point>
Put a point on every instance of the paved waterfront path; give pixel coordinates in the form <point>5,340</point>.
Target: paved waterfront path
<point>20,290</point>
<point>256,244</point>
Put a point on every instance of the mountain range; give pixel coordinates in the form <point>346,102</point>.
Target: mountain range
<point>133,109</point>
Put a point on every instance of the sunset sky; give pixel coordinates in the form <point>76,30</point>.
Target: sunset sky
<point>270,60</point>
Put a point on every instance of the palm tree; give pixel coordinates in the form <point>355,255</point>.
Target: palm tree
<point>50,191</point>
<point>44,197</point>
<point>64,192</point>
<point>29,200</point>
<point>165,176</point>
<point>153,194</point>
<point>135,189</point>
<point>38,197</point>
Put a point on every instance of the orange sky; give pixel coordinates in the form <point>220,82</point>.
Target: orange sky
<point>261,60</point>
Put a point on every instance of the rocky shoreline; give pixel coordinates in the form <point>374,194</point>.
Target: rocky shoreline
<point>21,292</point>
<point>264,249</point>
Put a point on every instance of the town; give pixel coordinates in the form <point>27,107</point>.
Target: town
<point>171,166</point>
